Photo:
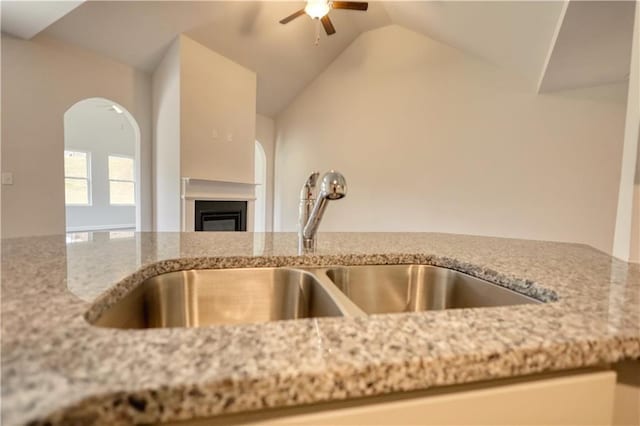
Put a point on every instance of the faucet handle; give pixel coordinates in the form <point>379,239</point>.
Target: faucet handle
<point>312,179</point>
<point>306,192</point>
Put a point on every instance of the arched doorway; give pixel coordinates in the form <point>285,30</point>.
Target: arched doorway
<point>101,167</point>
<point>260,173</point>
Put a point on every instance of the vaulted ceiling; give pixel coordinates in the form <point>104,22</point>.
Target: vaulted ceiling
<point>25,19</point>
<point>522,36</point>
<point>283,56</point>
<point>592,45</point>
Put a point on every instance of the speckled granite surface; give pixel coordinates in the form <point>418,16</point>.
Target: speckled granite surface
<point>58,368</point>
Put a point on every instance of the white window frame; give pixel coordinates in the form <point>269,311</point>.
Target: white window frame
<point>133,181</point>
<point>88,179</point>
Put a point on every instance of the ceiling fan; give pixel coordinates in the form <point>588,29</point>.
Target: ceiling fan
<point>319,9</point>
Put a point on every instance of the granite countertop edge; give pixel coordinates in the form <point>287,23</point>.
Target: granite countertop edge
<point>341,358</point>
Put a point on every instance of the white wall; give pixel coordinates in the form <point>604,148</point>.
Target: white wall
<point>41,79</point>
<point>91,127</point>
<point>266,135</point>
<point>627,240</point>
<point>166,147</point>
<point>634,249</point>
<point>260,176</point>
<point>431,139</point>
<point>634,254</point>
<point>218,103</point>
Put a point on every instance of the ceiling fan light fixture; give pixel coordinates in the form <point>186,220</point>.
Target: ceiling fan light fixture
<point>317,8</point>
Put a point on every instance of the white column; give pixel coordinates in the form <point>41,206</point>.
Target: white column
<point>624,217</point>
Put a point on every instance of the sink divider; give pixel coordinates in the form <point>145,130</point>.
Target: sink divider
<point>345,305</point>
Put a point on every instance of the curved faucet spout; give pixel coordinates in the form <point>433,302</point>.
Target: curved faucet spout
<point>307,199</point>
<point>333,187</point>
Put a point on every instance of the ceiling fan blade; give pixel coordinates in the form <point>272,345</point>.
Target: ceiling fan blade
<point>328,25</point>
<point>352,5</point>
<point>292,16</point>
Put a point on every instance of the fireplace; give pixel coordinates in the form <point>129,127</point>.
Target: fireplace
<point>221,205</point>
<point>220,215</point>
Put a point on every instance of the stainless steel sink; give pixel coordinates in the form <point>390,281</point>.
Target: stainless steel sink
<point>379,289</point>
<point>222,296</point>
<point>197,298</point>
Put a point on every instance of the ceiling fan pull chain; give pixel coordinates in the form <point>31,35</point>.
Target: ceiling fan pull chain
<point>317,42</point>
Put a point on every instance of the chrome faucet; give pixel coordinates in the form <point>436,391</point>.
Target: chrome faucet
<point>333,186</point>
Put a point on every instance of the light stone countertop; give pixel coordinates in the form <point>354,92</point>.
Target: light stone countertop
<point>58,368</point>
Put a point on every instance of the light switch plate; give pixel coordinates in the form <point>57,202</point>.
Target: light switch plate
<point>7,178</point>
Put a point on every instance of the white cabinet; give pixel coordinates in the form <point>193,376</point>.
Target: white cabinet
<point>579,397</point>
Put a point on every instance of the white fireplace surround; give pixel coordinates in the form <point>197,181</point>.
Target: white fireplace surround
<point>192,190</point>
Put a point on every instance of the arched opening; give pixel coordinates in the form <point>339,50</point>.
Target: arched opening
<point>101,167</point>
<point>260,174</point>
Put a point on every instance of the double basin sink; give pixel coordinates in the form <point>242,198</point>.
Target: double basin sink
<point>196,298</point>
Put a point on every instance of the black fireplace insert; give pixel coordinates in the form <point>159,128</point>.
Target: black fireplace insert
<point>221,215</point>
